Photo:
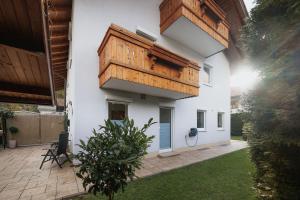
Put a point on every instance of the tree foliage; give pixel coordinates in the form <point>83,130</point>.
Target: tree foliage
<point>111,156</point>
<point>271,37</point>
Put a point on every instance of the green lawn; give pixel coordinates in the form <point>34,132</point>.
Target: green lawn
<point>224,177</point>
<point>236,137</point>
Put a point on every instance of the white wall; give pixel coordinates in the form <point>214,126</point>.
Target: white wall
<point>91,19</point>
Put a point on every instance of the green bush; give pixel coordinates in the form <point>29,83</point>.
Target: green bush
<point>271,38</point>
<point>13,130</point>
<point>111,156</point>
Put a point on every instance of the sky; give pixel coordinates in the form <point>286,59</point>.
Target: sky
<point>249,4</point>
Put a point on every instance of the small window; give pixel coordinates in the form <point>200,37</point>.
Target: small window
<point>220,120</point>
<point>201,120</point>
<point>117,112</point>
<point>207,72</point>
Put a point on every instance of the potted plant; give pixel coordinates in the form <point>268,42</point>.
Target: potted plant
<point>12,143</point>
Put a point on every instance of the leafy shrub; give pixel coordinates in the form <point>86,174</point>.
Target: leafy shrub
<point>247,130</point>
<point>271,39</point>
<point>13,130</point>
<point>111,156</point>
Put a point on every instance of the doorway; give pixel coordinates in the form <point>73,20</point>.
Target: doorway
<point>165,130</point>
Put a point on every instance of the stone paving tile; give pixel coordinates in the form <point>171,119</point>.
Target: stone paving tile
<point>21,178</point>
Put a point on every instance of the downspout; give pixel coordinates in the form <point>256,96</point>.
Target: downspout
<point>47,50</point>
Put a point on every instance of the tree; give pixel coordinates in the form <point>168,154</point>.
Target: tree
<point>4,115</point>
<point>271,38</point>
<point>111,156</point>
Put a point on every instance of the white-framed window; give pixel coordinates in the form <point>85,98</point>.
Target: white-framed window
<point>207,75</point>
<point>201,120</point>
<point>117,112</point>
<point>220,120</point>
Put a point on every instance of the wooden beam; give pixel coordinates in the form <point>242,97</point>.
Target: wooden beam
<point>66,52</point>
<point>59,14</point>
<point>55,46</point>
<point>55,58</point>
<point>58,27</point>
<point>8,99</point>
<point>59,38</point>
<point>61,67</point>
<point>59,63</point>
<point>11,87</point>
<point>59,76</point>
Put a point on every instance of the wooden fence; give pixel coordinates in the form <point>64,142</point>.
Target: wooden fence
<point>36,128</point>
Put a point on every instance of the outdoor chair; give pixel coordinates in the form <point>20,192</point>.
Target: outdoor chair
<point>56,150</point>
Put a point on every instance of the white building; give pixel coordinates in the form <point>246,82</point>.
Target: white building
<point>166,60</point>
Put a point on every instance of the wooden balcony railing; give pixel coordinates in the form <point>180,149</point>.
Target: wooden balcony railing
<point>205,14</point>
<point>142,66</point>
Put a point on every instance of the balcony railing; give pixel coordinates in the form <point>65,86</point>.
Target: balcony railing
<point>132,63</point>
<point>197,24</point>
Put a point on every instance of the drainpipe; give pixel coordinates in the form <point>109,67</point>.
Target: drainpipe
<point>47,49</point>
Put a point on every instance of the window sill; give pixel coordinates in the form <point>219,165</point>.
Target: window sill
<point>201,130</point>
<point>220,129</point>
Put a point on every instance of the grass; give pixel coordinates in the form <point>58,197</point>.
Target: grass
<point>224,177</point>
<point>236,137</point>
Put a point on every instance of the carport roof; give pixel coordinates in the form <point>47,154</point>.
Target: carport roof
<point>33,49</point>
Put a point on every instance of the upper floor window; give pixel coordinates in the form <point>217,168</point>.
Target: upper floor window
<point>207,75</point>
<point>201,120</point>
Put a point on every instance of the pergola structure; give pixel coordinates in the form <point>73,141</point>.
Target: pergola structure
<point>34,49</point>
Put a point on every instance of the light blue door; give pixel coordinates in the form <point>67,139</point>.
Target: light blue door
<point>165,116</point>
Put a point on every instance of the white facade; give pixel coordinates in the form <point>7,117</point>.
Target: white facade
<point>87,103</point>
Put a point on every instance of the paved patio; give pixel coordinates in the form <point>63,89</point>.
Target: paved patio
<point>21,178</point>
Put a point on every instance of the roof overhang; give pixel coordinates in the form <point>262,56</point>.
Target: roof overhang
<point>236,15</point>
<point>33,50</point>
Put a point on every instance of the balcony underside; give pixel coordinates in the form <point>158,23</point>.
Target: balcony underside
<point>185,32</point>
<point>198,25</point>
<point>123,85</point>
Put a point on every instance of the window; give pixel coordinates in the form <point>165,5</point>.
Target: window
<point>117,112</point>
<point>207,73</point>
<point>201,120</point>
<point>220,120</point>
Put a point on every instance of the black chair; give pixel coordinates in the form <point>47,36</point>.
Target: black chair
<point>55,151</point>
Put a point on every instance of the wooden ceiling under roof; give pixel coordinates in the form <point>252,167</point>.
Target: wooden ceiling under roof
<point>26,75</point>
<point>58,18</point>
<point>23,63</point>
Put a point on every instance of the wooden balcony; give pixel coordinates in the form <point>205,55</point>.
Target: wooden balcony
<point>197,24</point>
<point>132,63</point>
